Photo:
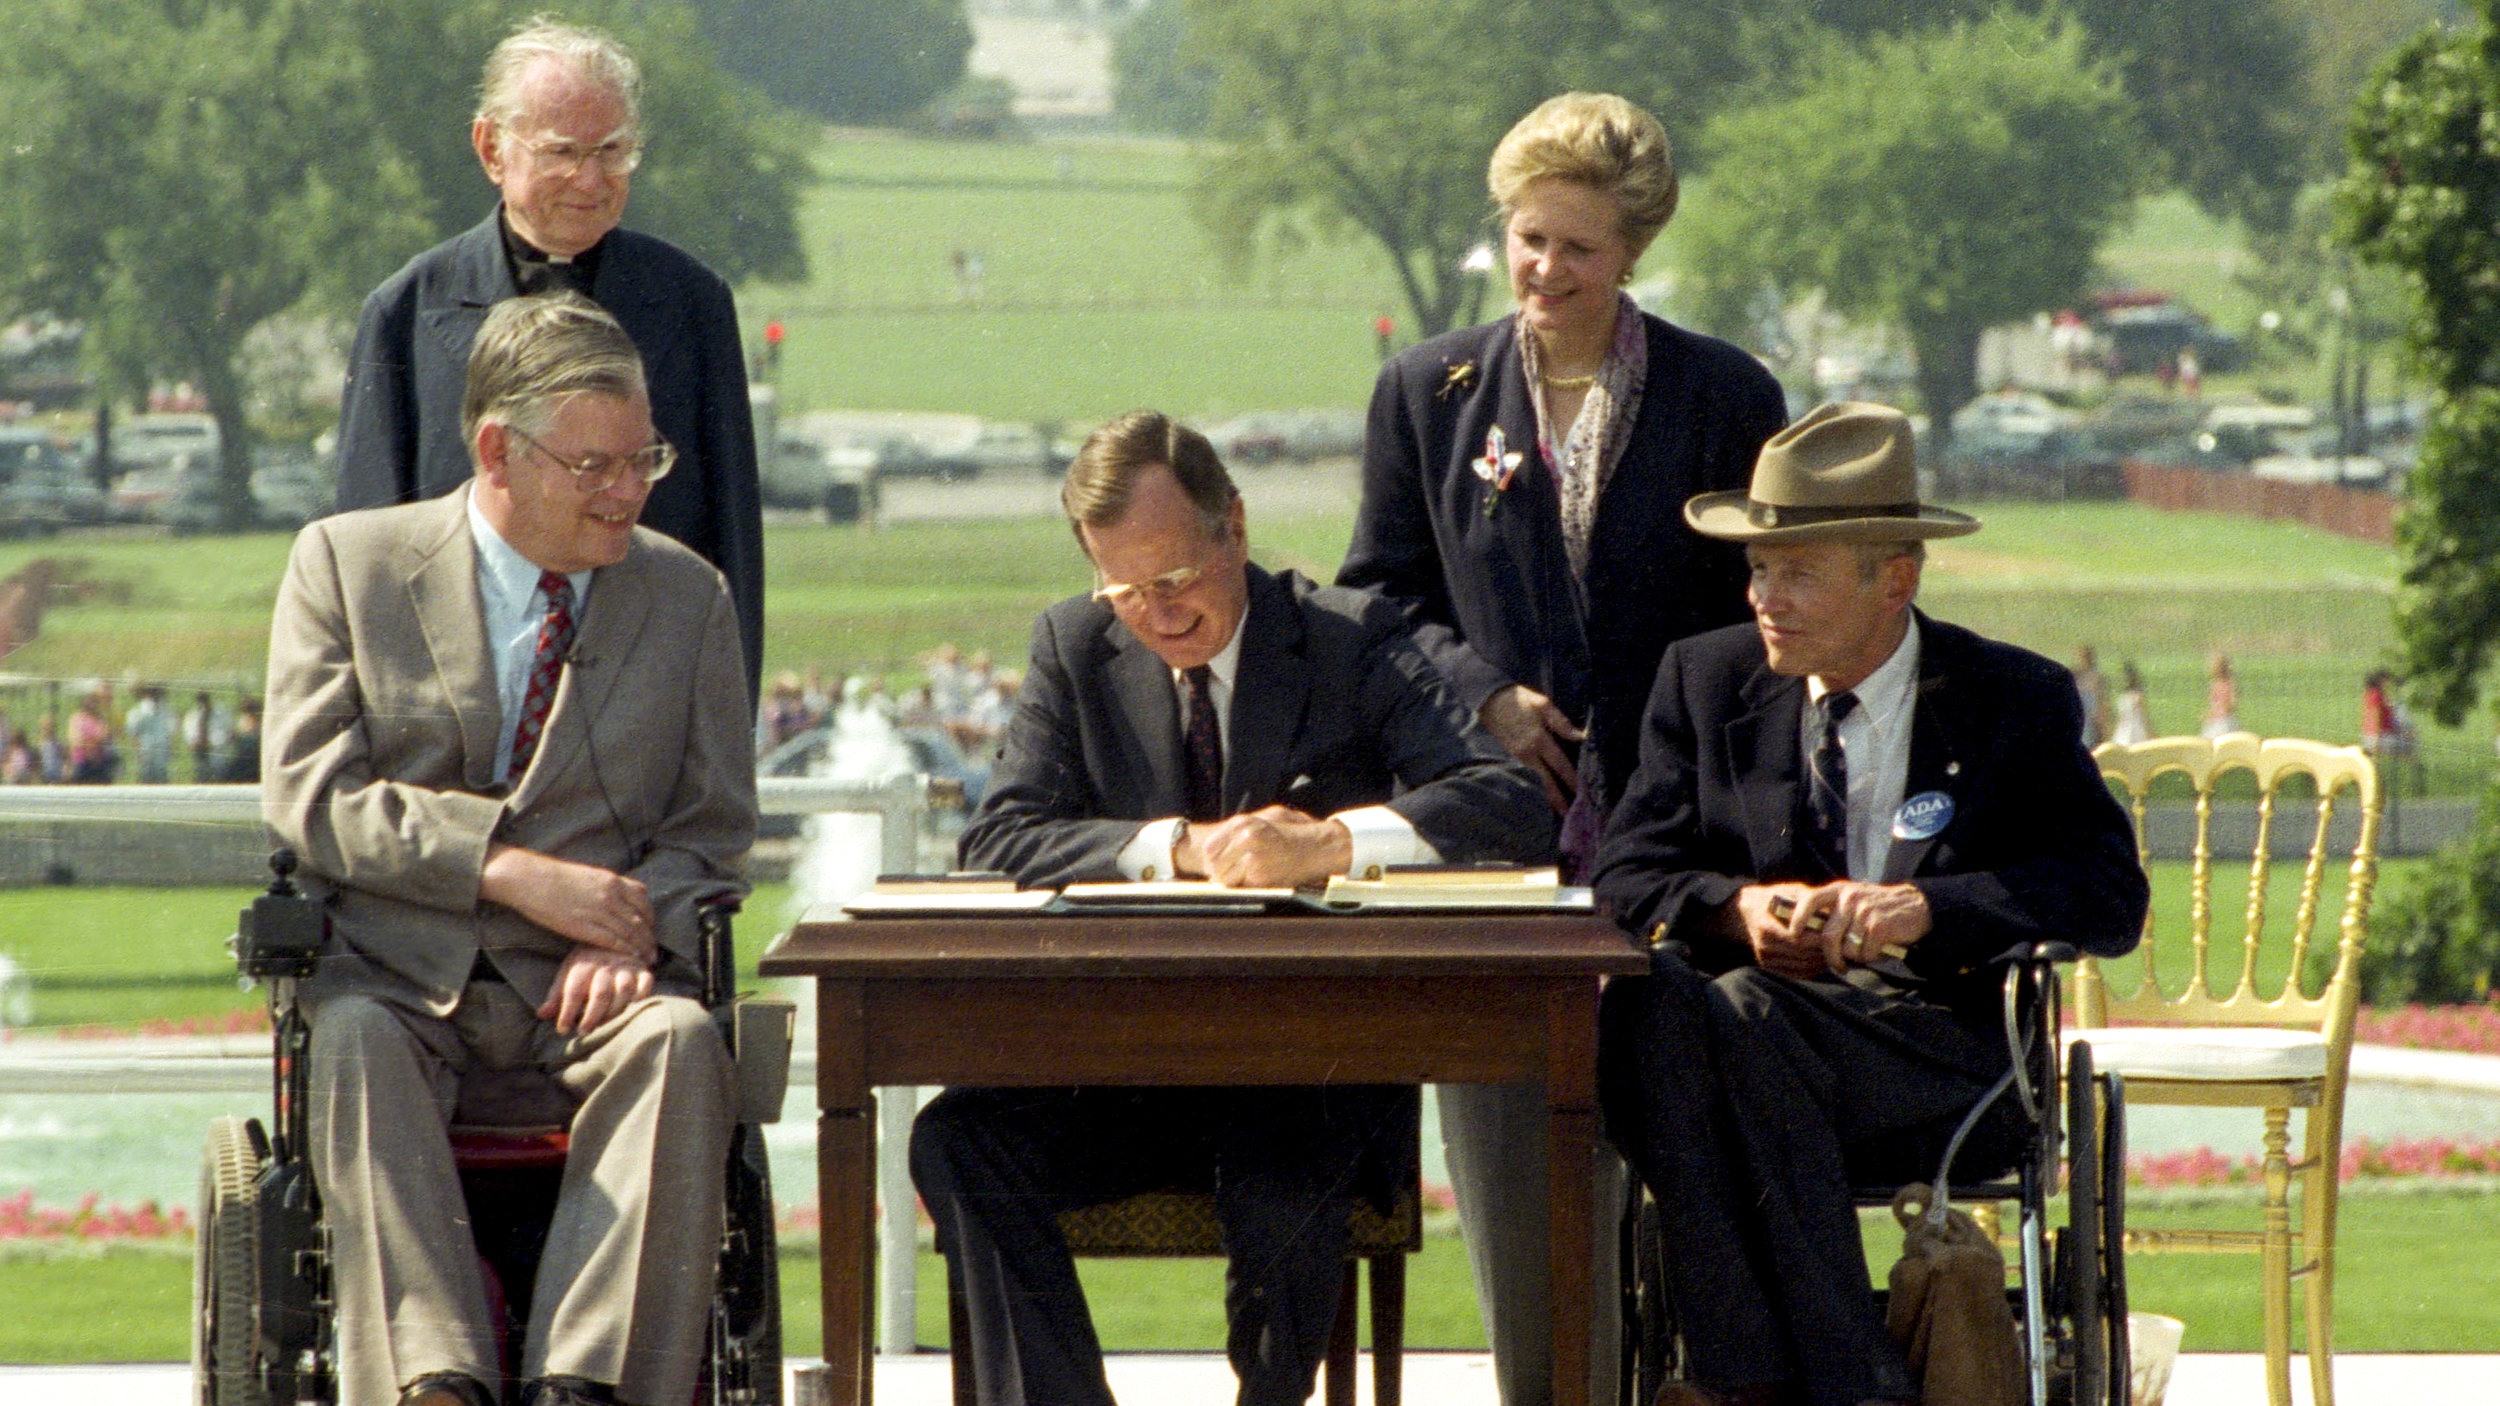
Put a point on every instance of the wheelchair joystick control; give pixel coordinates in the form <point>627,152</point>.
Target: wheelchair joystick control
<point>283,931</point>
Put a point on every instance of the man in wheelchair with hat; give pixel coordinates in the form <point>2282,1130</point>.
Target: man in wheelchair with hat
<point>508,736</point>
<point>1844,812</point>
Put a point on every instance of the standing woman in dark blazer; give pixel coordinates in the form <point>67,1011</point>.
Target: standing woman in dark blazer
<point>1523,493</point>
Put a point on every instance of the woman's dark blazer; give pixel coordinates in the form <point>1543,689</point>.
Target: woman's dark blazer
<point>1489,593</point>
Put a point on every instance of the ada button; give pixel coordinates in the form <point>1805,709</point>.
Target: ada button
<point>1923,816</point>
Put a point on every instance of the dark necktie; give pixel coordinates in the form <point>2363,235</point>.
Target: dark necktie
<point>1203,750</point>
<point>1827,797</point>
<point>555,640</point>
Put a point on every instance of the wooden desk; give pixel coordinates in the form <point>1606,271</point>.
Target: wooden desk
<point>1134,999</point>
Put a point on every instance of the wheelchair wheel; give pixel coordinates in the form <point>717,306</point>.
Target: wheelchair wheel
<point>2114,1237</point>
<point>744,1367</point>
<point>2085,1250</point>
<point>1650,1337</point>
<point>225,1278</point>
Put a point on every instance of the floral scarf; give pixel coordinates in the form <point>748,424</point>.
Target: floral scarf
<point>1590,448</point>
<point>1591,445</point>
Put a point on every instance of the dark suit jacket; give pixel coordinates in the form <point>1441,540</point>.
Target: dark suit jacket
<point>2036,847</point>
<point>1491,597</point>
<point>1330,688</point>
<point>383,722</point>
<point>399,419</point>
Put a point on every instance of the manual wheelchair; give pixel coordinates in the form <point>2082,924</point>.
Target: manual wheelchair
<point>2069,1295</point>
<point>262,1330</point>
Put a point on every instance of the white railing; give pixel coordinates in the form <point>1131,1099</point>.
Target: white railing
<point>240,1063</point>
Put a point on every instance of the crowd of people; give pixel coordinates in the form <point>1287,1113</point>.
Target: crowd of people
<point>150,742</point>
<point>963,697</point>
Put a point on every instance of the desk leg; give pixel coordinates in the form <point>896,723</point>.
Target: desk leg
<point>846,1172</point>
<point>1571,1133</point>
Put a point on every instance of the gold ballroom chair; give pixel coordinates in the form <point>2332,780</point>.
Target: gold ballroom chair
<point>2220,1042</point>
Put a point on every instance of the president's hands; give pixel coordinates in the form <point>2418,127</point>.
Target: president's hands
<point>1277,847</point>
<point>1531,728</point>
<point>594,907</point>
<point>1800,930</point>
<point>593,985</point>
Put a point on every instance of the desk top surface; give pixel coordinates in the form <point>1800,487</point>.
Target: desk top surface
<point>1023,946</point>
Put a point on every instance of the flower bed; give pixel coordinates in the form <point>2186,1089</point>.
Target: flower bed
<point>2465,1029</point>
<point>22,1219</point>
<point>2363,1160</point>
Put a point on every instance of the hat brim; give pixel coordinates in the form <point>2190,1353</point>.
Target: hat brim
<point>1729,517</point>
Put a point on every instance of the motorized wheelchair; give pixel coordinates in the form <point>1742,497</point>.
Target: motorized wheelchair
<point>2069,1295</point>
<point>262,1315</point>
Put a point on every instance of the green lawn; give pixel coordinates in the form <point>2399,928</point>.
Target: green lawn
<point>2414,1276</point>
<point>1099,292</point>
<point>103,955</point>
<point>2302,614</point>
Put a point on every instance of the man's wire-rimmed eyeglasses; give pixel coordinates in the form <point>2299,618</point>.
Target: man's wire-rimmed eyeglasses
<point>597,473</point>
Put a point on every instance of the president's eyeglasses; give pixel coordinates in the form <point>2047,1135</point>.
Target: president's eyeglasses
<point>1161,590</point>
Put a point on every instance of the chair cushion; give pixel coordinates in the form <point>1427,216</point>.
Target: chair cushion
<point>2213,1052</point>
<point>1163,1223</point>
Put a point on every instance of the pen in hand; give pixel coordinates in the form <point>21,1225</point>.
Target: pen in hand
<point>1299,792</point>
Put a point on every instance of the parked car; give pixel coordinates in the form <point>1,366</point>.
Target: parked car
<point>157,439</point>
<point>2148,338</point>
<point>2311,457</point>
<point>42,488</point>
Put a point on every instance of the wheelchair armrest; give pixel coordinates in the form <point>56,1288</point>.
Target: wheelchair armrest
<point>2029,953</point>
<point>715,949</point>
<point>760,1030</point>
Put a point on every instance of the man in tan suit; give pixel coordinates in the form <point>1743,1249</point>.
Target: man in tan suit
<point>508,735</point>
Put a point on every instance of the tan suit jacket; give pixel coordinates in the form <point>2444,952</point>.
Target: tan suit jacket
<point>382,724</point>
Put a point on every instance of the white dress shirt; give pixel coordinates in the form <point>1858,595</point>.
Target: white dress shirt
<point>1875,740</point>
<point>514,607</point>
<point>1382,837</point>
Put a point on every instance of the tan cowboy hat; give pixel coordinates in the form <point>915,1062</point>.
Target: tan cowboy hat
<point>1847,472</point>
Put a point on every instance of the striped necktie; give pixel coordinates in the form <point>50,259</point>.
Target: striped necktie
<point>555,640</point>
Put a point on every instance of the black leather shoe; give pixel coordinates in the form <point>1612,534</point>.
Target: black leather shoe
<point>567,1391</point>
<point>446,1389</point>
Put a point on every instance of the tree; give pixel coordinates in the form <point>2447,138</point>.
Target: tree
<point>2222,88</point>
<point>177,172</point>
<point>843,60</point>
<point>2221,85</point>
<point>2422,196</point>
<point>1153,87</point>
<point>724,168</point>
<point>1376,116</point>
<point>1940,183</point>
<point>2326,304</point>
<point>2347,41</point>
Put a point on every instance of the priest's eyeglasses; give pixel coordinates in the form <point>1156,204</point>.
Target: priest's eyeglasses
<point>597,473</point>
<point>562,160</point>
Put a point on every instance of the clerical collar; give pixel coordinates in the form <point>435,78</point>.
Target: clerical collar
<point>536,271</point>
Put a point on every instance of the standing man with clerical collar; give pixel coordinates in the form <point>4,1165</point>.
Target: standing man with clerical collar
<point>559,132</point>
<point>1844,811</point>
<point>1196,715</point>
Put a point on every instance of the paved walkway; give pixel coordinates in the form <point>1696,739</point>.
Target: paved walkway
<point>1435,1378</point>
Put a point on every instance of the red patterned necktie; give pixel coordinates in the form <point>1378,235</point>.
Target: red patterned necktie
<point>555,640</point>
